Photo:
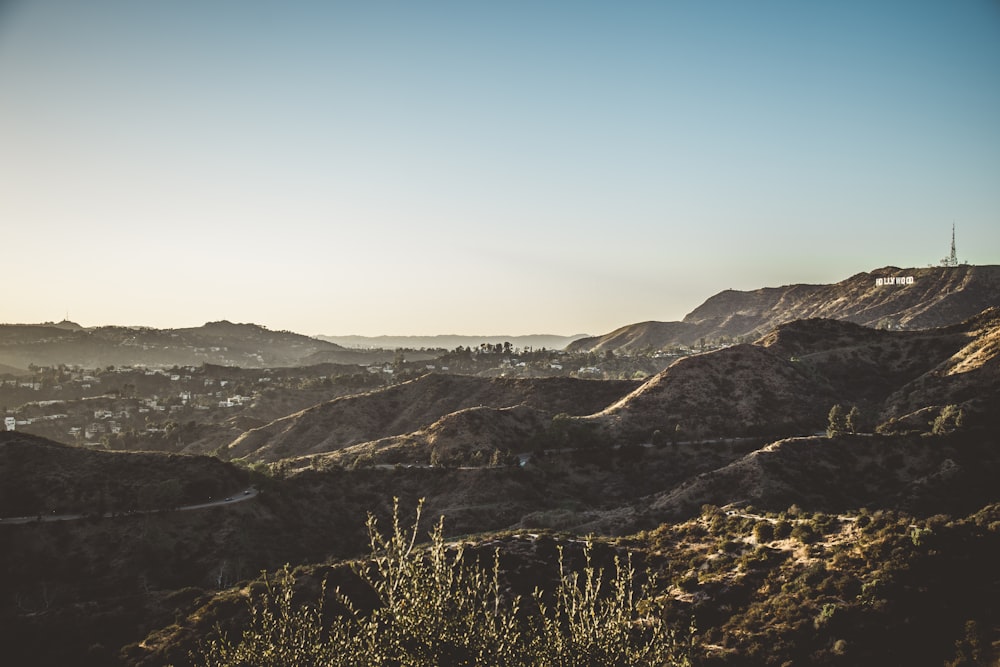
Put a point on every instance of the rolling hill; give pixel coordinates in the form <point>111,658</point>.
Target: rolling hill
<point>883,298</point>
<point>782,385</point>
<point>413,405</point>
<point>697,470</point>
<point>224,343</point>
<point>787,381</point>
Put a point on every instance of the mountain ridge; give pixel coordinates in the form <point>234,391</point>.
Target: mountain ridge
<point>222,342</point>
<point>782,385</point>
<point>889,297</point>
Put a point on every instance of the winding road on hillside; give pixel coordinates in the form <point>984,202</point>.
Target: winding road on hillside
<point>248,494</point>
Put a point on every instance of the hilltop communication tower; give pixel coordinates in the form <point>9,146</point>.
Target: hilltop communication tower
<point>952,259</point>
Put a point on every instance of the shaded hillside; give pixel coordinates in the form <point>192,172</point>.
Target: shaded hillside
<point>864,366</point>
<point>969,378</point>
<point>478,436</point>
<point>42,477</point>
<point>937,297</point>
<point>893,374</point>
<point>920,475</point>
<point>100,585</point>
<point>867,587</point>
<point>413,405</point>
<point>740,390</point>
<point>786,382</point>
<point>224,343</point>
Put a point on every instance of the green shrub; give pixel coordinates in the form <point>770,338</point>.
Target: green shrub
<point>763,531</point>
<point>435,609</point>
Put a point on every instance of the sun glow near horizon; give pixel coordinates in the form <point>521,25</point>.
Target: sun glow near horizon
<point>454,168</point>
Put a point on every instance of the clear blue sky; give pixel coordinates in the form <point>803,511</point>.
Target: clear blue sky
<point>481,167</point>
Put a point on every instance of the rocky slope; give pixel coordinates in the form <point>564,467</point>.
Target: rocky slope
<point>471,437</point>
<point>935,297</point>
<point>788,380</point>
<point>413,405</point>
<point>950,475</point>
<point>103,584</point>
<point>784,384</point>
<point>740,390</point>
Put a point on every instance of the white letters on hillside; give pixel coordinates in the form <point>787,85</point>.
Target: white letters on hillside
<point>896,280</point>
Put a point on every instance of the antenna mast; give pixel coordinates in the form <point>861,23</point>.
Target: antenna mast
<point>951,259</point>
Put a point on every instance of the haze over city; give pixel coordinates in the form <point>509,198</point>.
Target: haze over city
<point>480,168</point>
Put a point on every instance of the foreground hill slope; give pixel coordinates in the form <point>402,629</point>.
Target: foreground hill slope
<point>824,569</point>
<point>950,475</point>
<point>936,297</point>
<point>413,405</point>
<point>40,476</point>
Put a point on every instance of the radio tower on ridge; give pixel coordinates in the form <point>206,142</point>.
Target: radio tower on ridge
<point>952,259</point>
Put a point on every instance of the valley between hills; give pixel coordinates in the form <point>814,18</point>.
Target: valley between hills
<point>809,472</point>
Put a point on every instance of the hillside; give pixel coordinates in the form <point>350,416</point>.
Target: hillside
<point>969,379</point>
<point>102,585</point>
<point>744,389</point>
<point>936,297</point>
<point>784,384</point>
<point>914,474</point>
<point>413,405</point>
<point>787,381</point>
<point>475,437</point>
<point>42,477</point>
<point>837,550</point>
<point>864,589</point>
<point>223,343</point>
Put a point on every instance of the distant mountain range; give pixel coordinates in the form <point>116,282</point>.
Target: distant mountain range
<point>450,342</point>
<point>223,343</point>
<point>887,298</point>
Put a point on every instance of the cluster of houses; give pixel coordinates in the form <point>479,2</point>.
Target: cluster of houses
<point>120,410</point>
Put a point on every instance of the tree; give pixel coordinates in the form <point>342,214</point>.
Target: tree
<point>950,418</point>
<point>837,421</point>
<point>763,531</point>
<point>851,422</point>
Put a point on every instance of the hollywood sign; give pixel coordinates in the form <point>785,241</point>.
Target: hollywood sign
<point>896,280</point>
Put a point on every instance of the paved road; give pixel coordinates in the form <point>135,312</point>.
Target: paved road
<point>239,497</point>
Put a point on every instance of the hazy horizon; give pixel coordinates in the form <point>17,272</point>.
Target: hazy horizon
<point>458,169</point>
